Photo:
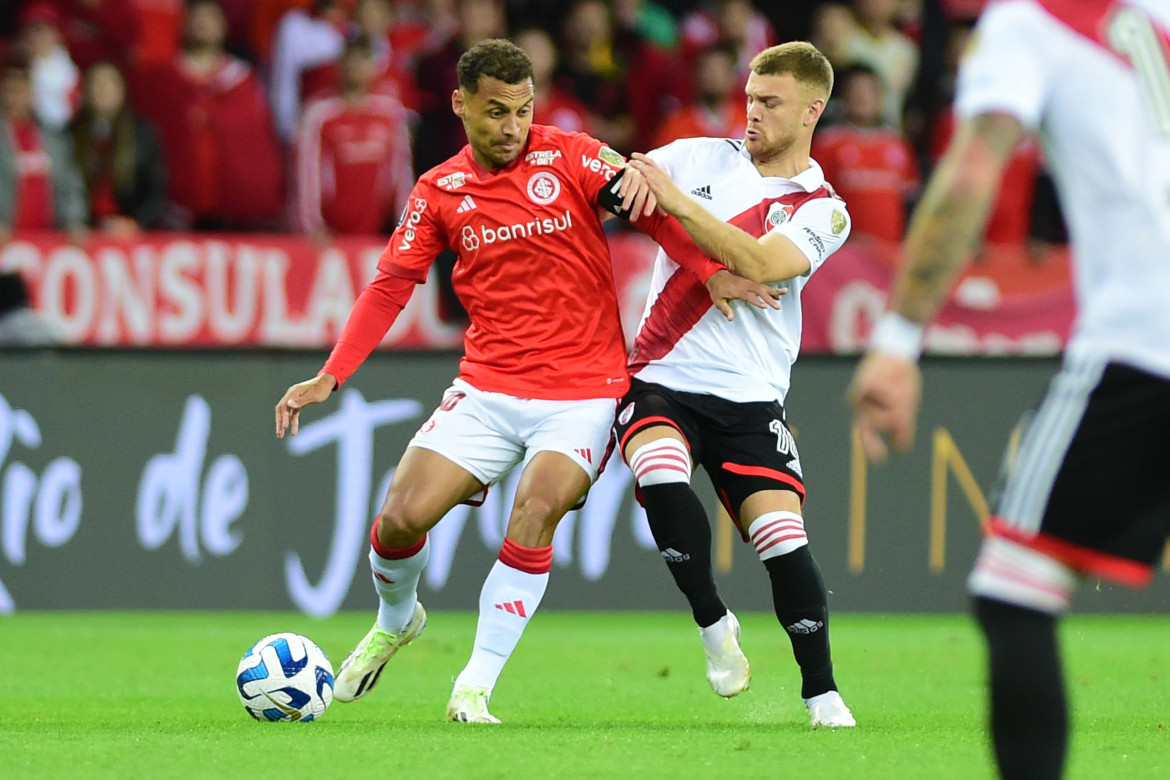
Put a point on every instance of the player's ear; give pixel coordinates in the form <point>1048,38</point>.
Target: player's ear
<point>457,104</point>
<point>814,111</point>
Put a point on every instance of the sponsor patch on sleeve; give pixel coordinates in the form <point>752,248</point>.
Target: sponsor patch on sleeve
<point>610,157</point>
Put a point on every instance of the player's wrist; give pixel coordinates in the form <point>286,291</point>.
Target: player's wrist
<point>897,335</point>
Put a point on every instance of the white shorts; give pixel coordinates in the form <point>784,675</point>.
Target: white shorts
<point>488,434</point>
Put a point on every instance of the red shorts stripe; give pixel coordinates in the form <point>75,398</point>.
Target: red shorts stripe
<point>1093,562</point>
<point>766,473</point>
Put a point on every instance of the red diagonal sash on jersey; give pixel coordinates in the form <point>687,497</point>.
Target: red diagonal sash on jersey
<point>684,300</point>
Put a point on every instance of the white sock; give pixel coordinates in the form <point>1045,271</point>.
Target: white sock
<point>396,580</point>
<point>511,593</point>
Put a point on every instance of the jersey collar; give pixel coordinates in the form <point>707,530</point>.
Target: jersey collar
<point>809,180</point>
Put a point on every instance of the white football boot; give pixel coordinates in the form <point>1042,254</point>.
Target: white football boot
<point>360,671</point>
<point>828,709</point>
<point>727,667</point>
<point>469,705</point>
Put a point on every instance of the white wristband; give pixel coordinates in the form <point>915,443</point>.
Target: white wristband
<point>896,335</point>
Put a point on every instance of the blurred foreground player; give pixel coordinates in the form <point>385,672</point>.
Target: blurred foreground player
<point>1087,494</point>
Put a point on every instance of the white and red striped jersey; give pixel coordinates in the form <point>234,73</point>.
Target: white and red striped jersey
<point>683,341</point>
<point>1092,78</point>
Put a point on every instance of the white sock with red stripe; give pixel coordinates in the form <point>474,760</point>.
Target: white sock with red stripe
<point>511,593</point>
<point>660,462</point>
<point>1010,572</point>
<point>777,533</point>
<point>396,573</point>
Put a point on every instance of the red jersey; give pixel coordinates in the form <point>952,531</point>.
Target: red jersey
<point>534,271</point>
<point>353,164</point>
<point>874,171</point>
<point>697,121</point>
<point>34,187</point>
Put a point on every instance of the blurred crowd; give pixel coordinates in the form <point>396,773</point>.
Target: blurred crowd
<point>315,116</point>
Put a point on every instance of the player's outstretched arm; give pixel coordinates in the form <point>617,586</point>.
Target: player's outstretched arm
<point>887,387</point>
<point>770,258</point>
<point>371,317</point>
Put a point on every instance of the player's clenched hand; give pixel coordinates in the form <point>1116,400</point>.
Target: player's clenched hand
<point>669,196</point>
<point>724,286</point>
<point>299,396</point>
<point>885,394</point>
<point>637,198</point>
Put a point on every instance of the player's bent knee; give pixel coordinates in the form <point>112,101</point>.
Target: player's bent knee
<point>397,527</point>
<point>661,462</point>
<point>1010,572</point>
<point>777,533</point>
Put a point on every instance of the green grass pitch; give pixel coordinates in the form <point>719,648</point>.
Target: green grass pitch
<point>587,695</point>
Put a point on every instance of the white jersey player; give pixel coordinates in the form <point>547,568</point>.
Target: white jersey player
<point>1087,493</point>
<point>710,391</point>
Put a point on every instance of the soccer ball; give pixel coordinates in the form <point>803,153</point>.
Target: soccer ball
<point>285,677</point>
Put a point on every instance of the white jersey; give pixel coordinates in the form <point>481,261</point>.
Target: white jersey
<point>1091,77</point>
<point>683,342</point>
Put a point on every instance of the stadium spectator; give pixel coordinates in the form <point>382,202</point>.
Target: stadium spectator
<point>223,159</point>
<point>541,371</point>
<point>119,157</point>
<point>711,391</point>
<point>353,153</point>
<point>1086,493</point>
<point>877,42</point>
<point>552,105</point>
<point>440,133</point>
<point>657,80</point>
<point>830,28</point>
<point>40,188</point>
<point>55,79</point>
<point>733,23</point>
<point>394,76</point>
<point>1010,222</point>
<point>648,21</point>
<point>718,107</point>
<point>103,30</point>
<point>872,165</point>
<point>305,38</point>
<point>591,69</point>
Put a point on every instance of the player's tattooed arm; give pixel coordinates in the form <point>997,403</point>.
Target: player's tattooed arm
<point>768,259</point>
<point>948,223</point>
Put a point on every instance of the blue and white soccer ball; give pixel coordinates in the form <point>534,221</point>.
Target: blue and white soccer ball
<point>285,677</point>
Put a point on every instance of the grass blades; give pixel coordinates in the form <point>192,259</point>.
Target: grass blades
<point>587,695</point>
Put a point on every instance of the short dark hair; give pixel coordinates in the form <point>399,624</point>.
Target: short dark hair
<point>495,58</point>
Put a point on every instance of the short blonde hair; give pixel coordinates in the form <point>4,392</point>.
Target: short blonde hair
<point>805,62</point>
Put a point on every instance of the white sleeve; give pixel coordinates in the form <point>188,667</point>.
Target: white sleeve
<point>672,157</point>
<point>1008,67</point>
<point>818,228</point>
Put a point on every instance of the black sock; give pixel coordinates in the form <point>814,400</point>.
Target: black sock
<point>679,524</point>
<point>1029,716</point>
<point>798,594</point>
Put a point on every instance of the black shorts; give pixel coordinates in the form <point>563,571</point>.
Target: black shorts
<point>1091,483</point>
<point>744,447</point>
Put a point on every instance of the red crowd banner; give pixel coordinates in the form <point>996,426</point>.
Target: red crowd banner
<point>253,290</point>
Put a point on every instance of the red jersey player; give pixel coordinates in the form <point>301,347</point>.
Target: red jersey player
<point>544,359</point>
